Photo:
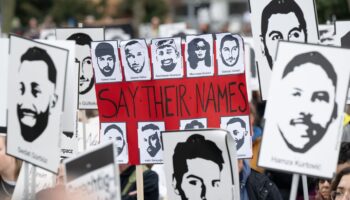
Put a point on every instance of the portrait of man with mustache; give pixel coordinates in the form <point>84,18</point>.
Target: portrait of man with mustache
<point>310,105</point>
<point>105,58</point>
<point>36,93</point>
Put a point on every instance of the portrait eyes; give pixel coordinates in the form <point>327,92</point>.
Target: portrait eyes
<point>297,94</point>
<point>101,58</point>
<point>109,59</point>
<point>193,182</point>
<point>320,96</point>
<point>139,53</point>
<point>35,89</point>
<point>226,49</point>
<point>87,61</point>
<point>22,88</point>
<point>276,37</point>
<point>215,183</point>
<point>294,34</point>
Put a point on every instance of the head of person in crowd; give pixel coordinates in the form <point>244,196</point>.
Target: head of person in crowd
<point>135,56</point>
<point>106,59</point>
<point>281,20</point>
<point>229,50</point>
<point>9,171</point>
<point>312,105</point>
<point>37,93</point>
<point>323,189</point>
<point>167,54</point>
<point>83,61</point>
<point>198,51</point>
<point>344,156</point>
<point>341,185</point>
<point>192,160</point>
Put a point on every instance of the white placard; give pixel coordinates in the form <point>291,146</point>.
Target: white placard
<point>170,30</point>
<point>199,55</point>
<point>166,58</point>
<point>105,59</point>
<point>4,55</point>
<point>273,20</point>
<point>304,112</point>
<point>35,101</point>
<point>150,145</point>
<point>69,136</point>
<point>94,174</point>
<point>200,164</point>
<point>116,132</point>
<point>229,53</point>
<point>135,60</point>
<point>83,38</point>
<point>239,128</point>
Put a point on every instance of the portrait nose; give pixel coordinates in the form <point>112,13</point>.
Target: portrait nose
<point>203,192</point>
<point>82,77</point>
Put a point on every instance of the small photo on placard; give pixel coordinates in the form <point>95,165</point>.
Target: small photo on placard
<point>105,60</point>
<point>116,132</point>
<point>166,58</point>
<point>199,55</point>
<point>230,53</point>
<point>135,60</point>
<point>239,128</point>
<point>188,124</point>
<point>150,145</point>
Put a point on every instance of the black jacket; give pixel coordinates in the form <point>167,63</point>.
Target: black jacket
<point>150,184</point>
<point>260,187</point>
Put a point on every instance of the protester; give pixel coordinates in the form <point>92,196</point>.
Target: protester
<point>128,183</point>
<point>254,185</point>
<point>341,185</point>
<point>9,171</point>
<point>323,189</point>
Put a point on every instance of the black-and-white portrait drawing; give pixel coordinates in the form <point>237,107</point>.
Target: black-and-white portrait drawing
<point>135,60</point>
<point>149,141</point>
<point>37,95</point>
<point>83,38</point>
<point>188,124</point>
<point>116,132</point>
<point>197,165</point>
<point>106,61</point>
<point>4,55</point>
<point>239,128</point>
<point>35,101</point>
<point>230,53</point>
<point>199,55</point>
<point>311,107</point>
<point>269,25</point>
<point>166,58</point>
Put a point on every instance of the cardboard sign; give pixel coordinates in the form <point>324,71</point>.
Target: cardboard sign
<point>35,101</point>
<point>200,164</point>
<point>168,101</point>
<point>170,30</point>
<point>118,32</point>
<point>327,33</point>
<point>83,38</point>
<point>4,55</point>
<point>94,174</point>
<point>273,20</point>
<point>48,34</point>
<point>69,136</point>
<point>312,109</point>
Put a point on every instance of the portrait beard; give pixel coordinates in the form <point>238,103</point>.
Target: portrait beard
<point>239,143</point>
<point>120,149</point>
<point>314,131</point>
<point>28,133</point>
<point>135,68</point>
<point>226,63</point>
<point>153,150</point>
<point>107,70</point>
<point>168,68</point>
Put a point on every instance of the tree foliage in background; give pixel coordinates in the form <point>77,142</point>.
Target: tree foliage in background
<point>150,8</point>
<point>326,9</point>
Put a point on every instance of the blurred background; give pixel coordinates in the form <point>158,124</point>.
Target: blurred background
<point>141,18</point>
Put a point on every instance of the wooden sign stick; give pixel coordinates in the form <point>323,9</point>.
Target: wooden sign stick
<point>139,182</point>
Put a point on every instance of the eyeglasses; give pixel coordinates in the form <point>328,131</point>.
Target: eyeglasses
<point>340,195</point>
<point>200,48</point>
<point>324,180</point>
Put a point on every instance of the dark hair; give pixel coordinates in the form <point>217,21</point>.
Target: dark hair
<point>113,126</point>
<point>192,57</point>
<point>237,119</point>
<point>196,146</point>
<point>314,58</point>
<point>338,177</point>
<point>282,7</point>
<point>38,54</point>
<point>344,153</point>
<point>150,126</point>
<point>103,49</point>
<point>192,125</point>
<point>130,43</point>
<point>81,39</point>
